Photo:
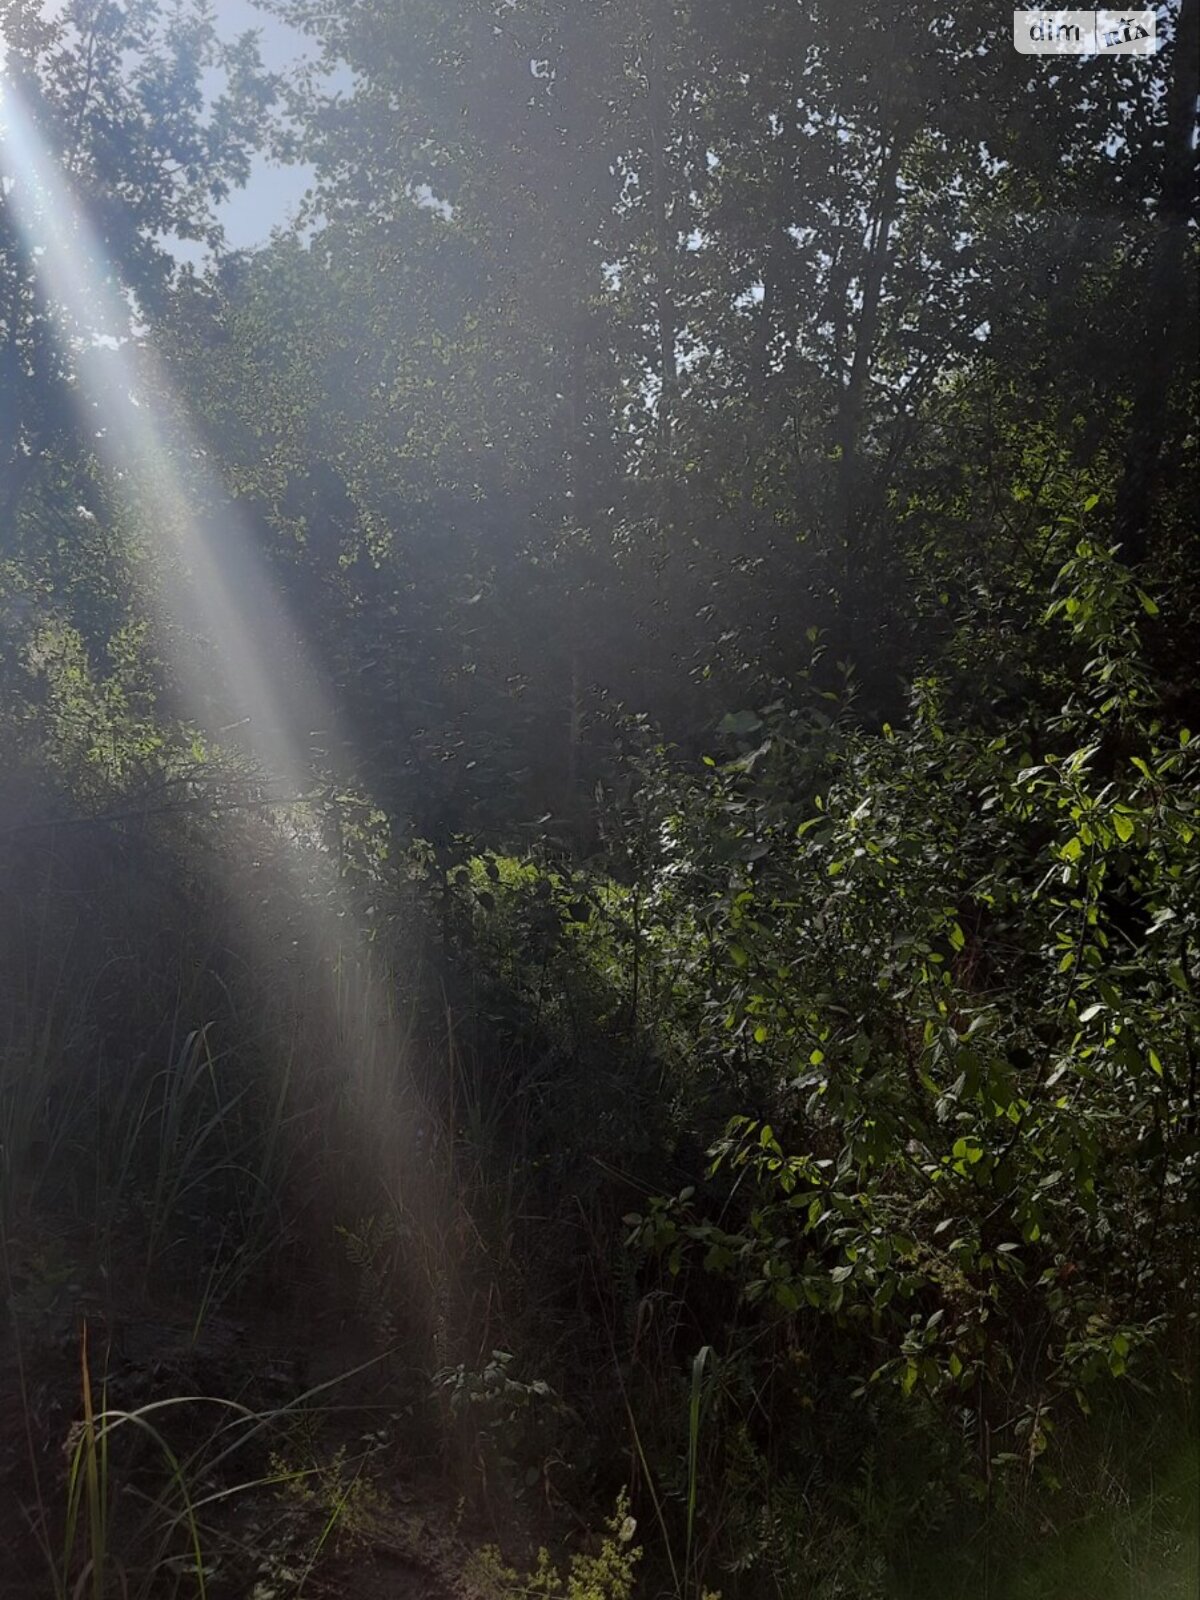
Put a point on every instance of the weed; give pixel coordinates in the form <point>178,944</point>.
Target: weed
<point>608,1574</point>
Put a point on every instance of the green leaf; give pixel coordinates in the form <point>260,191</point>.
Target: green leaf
<point>739,723</point>
<point>786,1296</point>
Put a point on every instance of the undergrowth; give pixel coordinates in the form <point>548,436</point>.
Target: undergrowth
<point>819,1160</point>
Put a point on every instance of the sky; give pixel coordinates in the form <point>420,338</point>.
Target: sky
<point>273,192</point>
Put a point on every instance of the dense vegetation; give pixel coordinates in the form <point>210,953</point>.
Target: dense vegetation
<point>599,806</point>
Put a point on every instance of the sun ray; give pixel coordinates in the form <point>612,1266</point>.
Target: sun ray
<point>214,586</point>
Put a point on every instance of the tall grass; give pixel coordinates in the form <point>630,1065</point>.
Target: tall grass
<point>190,1118</point>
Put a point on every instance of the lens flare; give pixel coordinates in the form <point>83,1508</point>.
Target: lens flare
<point>214,588</point>
<point>121,390</point>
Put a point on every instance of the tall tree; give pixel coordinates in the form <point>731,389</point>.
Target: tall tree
<point>1169,288</point>
<point>117,95</point>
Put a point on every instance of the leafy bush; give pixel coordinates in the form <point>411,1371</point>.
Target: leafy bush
<point>947,971</point>
<point>609,1574</point>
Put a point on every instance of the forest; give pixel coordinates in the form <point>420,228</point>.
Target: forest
<point>599,802</point>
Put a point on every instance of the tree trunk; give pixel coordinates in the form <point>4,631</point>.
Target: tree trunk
<point>1166,294</point>
<point>851,401</point>
<point>664,249</point>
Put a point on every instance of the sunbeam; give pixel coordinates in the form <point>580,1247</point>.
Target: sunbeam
<point>213,586</point>
<point>599,799</point>
<point>235,611</point>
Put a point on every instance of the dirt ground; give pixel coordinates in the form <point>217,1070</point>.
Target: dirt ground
<point>355,1503</point>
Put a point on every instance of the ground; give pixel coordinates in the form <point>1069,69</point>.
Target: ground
<point>307,1464</point>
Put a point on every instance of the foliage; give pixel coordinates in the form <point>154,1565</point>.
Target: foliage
<point>681,936</point>
<point>607,1575</point>
<point>951,970</point>
<point>349,1505</point>
<point>116,95</point>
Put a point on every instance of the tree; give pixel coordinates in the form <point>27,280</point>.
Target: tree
<point>115,93</point>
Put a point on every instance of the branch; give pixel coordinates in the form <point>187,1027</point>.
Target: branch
<point>141,813</point>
